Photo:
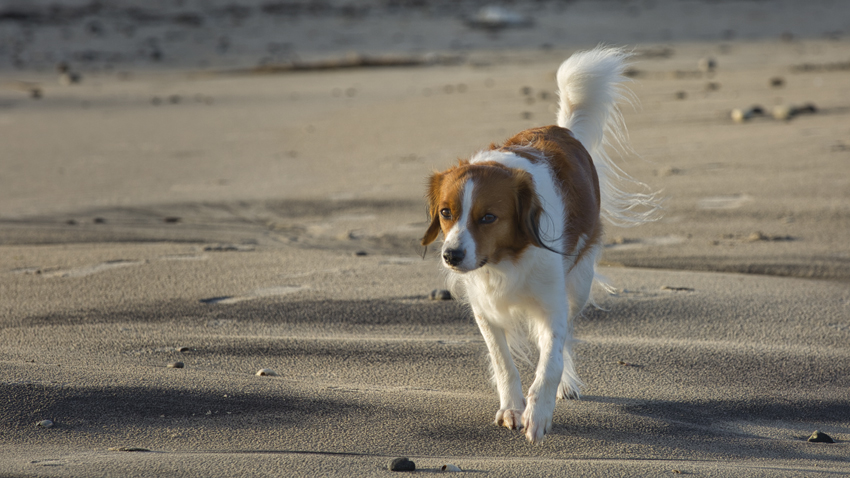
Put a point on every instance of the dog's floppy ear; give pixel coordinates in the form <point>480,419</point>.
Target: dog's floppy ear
<point>433,197</point>
<point>528,209</point>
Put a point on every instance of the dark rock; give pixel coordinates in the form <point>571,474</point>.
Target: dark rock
<point>820,437</point>
<point>402,464</point>
<point>175,365</point>
<point>440,294</point>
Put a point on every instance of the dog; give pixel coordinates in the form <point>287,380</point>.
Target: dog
<point>522,232</point>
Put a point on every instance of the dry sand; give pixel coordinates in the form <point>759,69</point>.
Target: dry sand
<point>271,221</point>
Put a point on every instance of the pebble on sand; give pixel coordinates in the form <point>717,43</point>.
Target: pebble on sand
<point>266,372</point>
<point>782,112</point>
<point>440,294</point>
<point>48,424</point>
<point>740,116</point>
<point>402,464</point>
<point>127,448</point>
<point>450,467</point>
<point>820,437</point>
<point>706,65</point>
<point>67,78</point>
<point>175,365</point>
<point>786,112</point>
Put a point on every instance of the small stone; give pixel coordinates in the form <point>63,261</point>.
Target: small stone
<point>99,220</point>
<point>171,220</point>
<point>266,372</point>
<point>820,437</point>
<point>667,171</point>
<point>450,467</point>
<point>48,424</point>
<point>183,349</point>
<point>806,108</point>
<point>738,115</point>
<point>67,78</point>
<point>402,464</point>
<point>632,73</point>
<point>175,365</point>
<point>706,65</point>
<point>127,448</point>
<point>757,236</point>
<point>782,112</point>
<point>440,294</point>
<point>677,289</point>
<point>361,253</point>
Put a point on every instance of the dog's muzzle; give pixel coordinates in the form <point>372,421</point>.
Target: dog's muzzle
<point>453,257</point>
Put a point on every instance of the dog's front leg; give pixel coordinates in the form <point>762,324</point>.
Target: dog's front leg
<point>540,407</point>
<point>505,375</point>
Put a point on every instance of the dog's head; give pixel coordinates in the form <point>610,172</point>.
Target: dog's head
<point>486,211</point>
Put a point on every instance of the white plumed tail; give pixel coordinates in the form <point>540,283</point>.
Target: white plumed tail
<point>591,84</point>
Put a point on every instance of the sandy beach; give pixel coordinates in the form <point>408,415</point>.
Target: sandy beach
<point>196,184</point>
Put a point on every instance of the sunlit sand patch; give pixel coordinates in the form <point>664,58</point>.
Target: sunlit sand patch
<point>627,244</point>
<point>89,270</point>
<point>255,294</point>
<point>184,257</point>
<point>398,260</point>
<point>733,201</point>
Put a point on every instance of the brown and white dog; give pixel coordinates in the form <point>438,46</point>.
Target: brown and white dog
<point>522,232</point>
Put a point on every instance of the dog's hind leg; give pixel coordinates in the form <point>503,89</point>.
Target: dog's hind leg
<point>505,375</point>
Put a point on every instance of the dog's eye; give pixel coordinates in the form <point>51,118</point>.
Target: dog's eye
<point>488,219</point>
<point>446,213</point>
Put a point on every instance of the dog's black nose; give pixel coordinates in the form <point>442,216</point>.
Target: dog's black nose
<point>453,257</point>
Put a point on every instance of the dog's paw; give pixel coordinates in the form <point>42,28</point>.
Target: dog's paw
<point>511,419</point>
<point>537,420</point>
<point>567,392</point>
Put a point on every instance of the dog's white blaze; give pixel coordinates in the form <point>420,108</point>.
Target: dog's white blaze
<point>459,236</point>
